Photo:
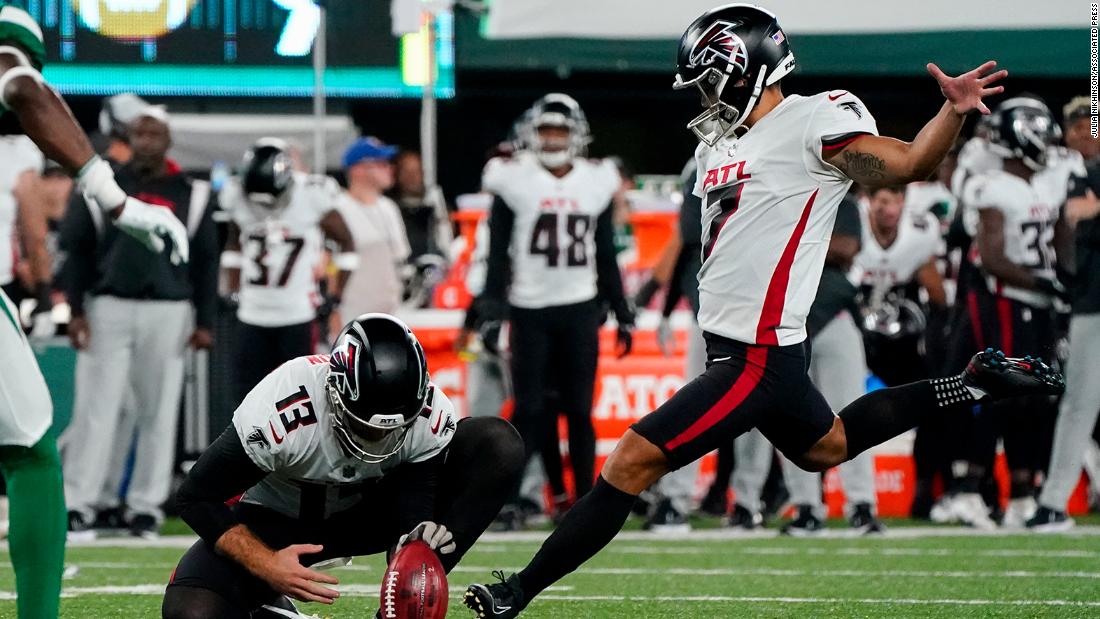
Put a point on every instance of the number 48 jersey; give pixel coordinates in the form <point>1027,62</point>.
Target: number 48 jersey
<point>553,246</point>
<point>280,248</point>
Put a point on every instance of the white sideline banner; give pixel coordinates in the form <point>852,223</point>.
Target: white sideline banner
<point>659,19</point>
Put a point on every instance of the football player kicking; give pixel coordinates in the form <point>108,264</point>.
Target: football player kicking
<point>770,195</point>
<point>28,454</point>
<point>337,456</point>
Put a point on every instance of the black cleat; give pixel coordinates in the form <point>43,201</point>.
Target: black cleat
<point>714,504</point>
<point>999,376</point>
<point>864,521</point>
<point>665,518</point>
<point>1047,520</point>
<point>502,600</point>
<point>805,524</point>
<point>144,526</point>
<point>79,527</point>
<point>742,518</point>
<point>110,518</point>
<point>510,518</point>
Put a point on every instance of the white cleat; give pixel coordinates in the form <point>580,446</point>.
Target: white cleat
<point>1019,512</point>
<point>941,512</point>
<point>969,509</point>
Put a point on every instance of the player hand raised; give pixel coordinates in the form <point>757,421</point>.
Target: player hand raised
<point>286,574</point>
<point>966,91</point>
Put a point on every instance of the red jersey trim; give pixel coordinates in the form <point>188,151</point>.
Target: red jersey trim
<point>776,297</point>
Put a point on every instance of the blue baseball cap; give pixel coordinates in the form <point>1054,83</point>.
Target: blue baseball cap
<point>368,149</point>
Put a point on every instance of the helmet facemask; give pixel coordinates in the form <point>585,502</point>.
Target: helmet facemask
<point>371,441</point>
<point>560,111</point>
<point>721,117</point>
<point>730,54</point>
<point>555,152</point>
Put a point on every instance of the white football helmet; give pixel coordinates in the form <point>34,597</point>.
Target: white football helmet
<point>555,110</point>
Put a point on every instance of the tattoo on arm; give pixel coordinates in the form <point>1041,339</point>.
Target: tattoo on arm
<point>864,167</point>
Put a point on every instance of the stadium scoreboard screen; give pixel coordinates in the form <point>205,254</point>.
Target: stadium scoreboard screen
<point>235,48</point>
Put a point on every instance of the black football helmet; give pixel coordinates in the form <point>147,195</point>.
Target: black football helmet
<point>267,171</point>
<point>377,386</point>
<point>1023,127</point>
<point>730,54</point>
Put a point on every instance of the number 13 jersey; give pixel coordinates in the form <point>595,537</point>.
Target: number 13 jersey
<point>280,248</point>
<point>553,248</point>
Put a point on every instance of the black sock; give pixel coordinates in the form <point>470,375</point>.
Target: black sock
<point>881,415</point>
<point>589,526</point>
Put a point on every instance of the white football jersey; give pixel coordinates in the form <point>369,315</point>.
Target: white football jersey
<point>769,202</point>
<point>17,155</point>
<point>281,248</point>
<point>553,246</point>
<point>975,157</point>
<point>932,197</point>
<point>286,428</point>
<point>1030,211</point>
<point>884,268</point>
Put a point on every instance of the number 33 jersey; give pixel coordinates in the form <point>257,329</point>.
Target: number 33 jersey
<point>1030,210</point>
<point>280,248</point>
<point>285,426</point>
<point>553,246</point>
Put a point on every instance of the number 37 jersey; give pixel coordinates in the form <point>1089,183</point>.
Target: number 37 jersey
<point>553,248</point>
<point>280,249</point>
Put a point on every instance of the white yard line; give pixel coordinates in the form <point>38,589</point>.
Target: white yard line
<point>885,551</point>
<point>706,535</point>
<point>674,571</point>
<point>792,600</point>
<point>371,590</point>
<point>825,572</point>
<point>356,590</point>
<point>729,534</point>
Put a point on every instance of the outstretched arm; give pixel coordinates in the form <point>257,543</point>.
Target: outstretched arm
<point>876,161</point>
<point>44,116</point>
<point>49,123</point>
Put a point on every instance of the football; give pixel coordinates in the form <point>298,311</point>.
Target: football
<point>415,586</point>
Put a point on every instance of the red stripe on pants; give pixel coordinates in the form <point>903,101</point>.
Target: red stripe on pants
<point>755,362</point>
<point>1004,316</point>
<point>772,312</point>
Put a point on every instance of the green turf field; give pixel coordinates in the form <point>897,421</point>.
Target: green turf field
<point>911,572</point>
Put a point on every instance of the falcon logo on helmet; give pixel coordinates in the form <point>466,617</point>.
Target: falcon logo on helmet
<point>376,356</point>
<point>756,52</point>
<point>720,42</point>
<point>343,368</point>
